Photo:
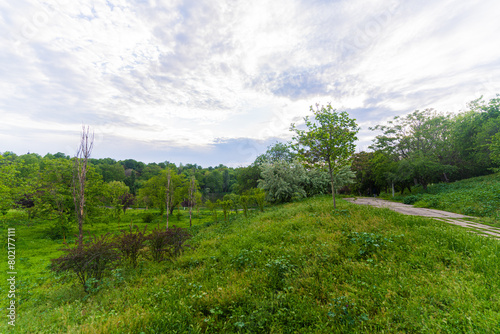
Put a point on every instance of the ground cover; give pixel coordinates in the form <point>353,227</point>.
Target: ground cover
<point>479,196</point>
<point>296,268</point>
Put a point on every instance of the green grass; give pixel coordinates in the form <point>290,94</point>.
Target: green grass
<point>296,268</point>
<point>479,197</point>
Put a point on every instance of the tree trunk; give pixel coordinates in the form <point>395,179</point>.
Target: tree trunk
<point>332,183</point>
<point>80,177</point>
<point>168,197</point>
<point>446,178</point>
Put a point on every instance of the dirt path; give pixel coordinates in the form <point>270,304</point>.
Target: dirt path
<point>448,217</point>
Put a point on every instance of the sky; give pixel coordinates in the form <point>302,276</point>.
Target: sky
<point>216,82</point>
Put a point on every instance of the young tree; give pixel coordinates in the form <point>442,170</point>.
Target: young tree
<point>80,177</point>
<point>115,193</point>
<point>192,196</point>
<point>329,140</point>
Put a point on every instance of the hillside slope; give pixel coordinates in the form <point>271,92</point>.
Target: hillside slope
<point>478,196</point>
<point>297,268</point>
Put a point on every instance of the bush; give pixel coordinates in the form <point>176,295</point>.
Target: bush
<point>89,262</point>
<point>411,199</point>
<point>130,243</point>
<point>167,243</point>
<point>148,218</point>
<point>58,230</point>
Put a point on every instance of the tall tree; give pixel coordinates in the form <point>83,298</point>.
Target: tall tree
<point>328,140</point>
<point>420,138</point>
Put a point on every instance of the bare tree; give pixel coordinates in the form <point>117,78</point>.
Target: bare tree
<point>192,200</point>
<point>168,194</point>
<point>80,177</point>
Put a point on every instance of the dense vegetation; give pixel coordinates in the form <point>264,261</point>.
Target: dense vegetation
<point>479,196</point>
<point>229,266</point>
<point>299,267</point>
<point>427,147</point>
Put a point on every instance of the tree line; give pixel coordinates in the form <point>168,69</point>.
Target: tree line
<point>428,146</point>
<point>420,148</point>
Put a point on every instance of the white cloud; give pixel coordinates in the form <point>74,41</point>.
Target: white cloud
<point>197,74</point>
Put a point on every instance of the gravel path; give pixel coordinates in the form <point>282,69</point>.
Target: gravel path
<point>448,217</point>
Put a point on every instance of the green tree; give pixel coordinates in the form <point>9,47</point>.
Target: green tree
<point>164,191</point>
<point>276,152</point>
<point>328,141</point>
<point>420,138</point>
<point>193,196</point>
<point>115,193</point>
<point>283,181</point>
<point>9,185</point>
<point>212,207</point>
<point>247,178</point>
<point>495,149</point>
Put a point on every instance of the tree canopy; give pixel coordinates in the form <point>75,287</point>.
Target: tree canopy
<point>328,140</point>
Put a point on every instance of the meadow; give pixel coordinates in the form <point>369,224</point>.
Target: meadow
<point>300,267</point>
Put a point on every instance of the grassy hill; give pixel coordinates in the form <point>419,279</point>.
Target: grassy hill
<point>296,268</point>
<point>478,196</point>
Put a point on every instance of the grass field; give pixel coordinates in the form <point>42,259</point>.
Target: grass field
<point>296,268</point>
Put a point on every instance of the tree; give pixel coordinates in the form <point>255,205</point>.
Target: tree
<point>283,181</point>
<point>80,178</point>
<point>247,178</point>
<point>277,152</point>
<point>164,191</point>
<point>8,184</point>
<point>495,149</point>
<point>192,196</point>
<point>421,138</point>
<point>328,141</point>
<point>116,194</point>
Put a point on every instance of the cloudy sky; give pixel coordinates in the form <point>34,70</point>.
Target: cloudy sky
<point>210,82</point>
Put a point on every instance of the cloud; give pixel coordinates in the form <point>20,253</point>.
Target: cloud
<point>183,74</point>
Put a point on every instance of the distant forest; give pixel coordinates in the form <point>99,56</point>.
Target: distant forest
<point>420,148</point>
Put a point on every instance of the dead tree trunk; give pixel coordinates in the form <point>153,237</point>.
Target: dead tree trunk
<point>80,177</point>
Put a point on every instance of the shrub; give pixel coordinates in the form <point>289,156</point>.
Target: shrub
<point>59,229</point>
<point>89,262</point>
<point>366,244</point>
<point>167,243</point>
<point>130,243</point>
<point>411,199</point>
<point>148,218</point>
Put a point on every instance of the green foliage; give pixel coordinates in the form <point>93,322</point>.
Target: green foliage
<point>367,244</point>
<point>278,270</point>
<point>328,141</point>
<point>283,181</point>
<point>213,208</point>
<point>346,313</point>
<point>475,196</point>
<point>245,201</point>
<point>226,207</point>
<point>288,270</point>
<point>148,217</point>
<point>259,196</point>
<point>279,152</point>
<point>495,149</point>
<point>115,194</point>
